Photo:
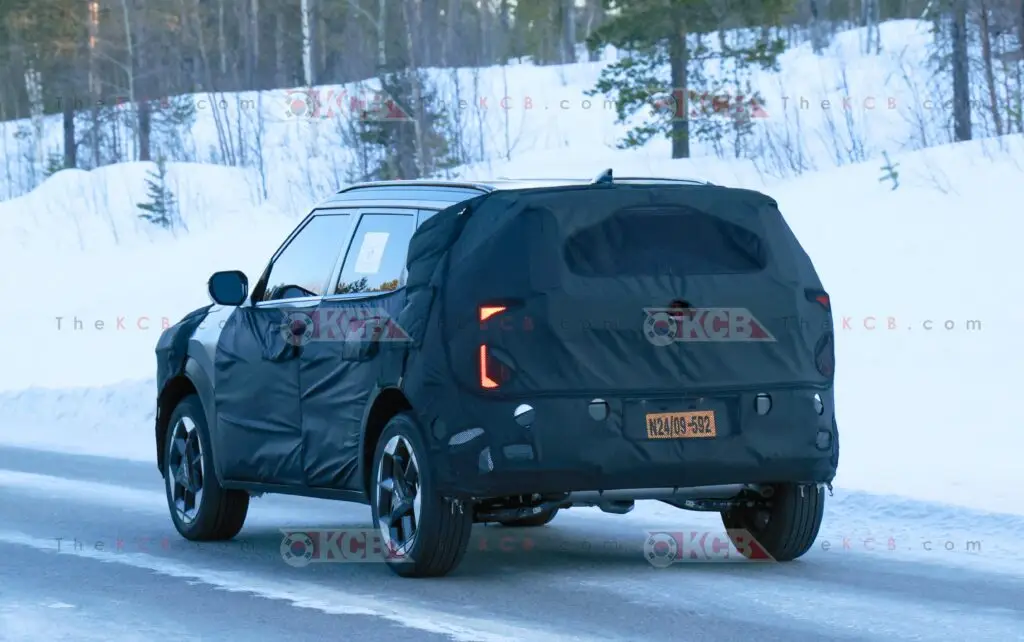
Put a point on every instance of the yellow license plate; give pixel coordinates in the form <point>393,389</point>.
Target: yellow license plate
<point>694,424</point>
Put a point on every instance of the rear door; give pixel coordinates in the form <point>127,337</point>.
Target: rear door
<point>258,422</point>
<point>344,361</point>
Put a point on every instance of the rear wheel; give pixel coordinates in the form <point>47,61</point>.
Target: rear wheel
<point>200,509</point>
<point>785,531</point>
<point>422,533</point>
<point>540,519</point>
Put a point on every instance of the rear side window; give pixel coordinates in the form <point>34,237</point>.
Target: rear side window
<point>655,241</point>
<point>376,258</point>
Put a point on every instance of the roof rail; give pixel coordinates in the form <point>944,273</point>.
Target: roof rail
<point>663,179</point>
<point>660,179</point>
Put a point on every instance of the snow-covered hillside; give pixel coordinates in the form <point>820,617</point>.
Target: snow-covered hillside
<point>819,112</point>
<point>922,277</point>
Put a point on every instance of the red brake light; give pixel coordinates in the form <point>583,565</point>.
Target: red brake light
<point>823,300</point>
<point>485,379</point>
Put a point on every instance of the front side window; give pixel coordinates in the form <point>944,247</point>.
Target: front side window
<point>376,258</point>
<point>306,262</point>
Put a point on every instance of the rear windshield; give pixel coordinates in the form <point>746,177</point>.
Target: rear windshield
<point>652,241</point>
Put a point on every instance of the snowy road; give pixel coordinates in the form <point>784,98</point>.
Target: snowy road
<point>119,572</point>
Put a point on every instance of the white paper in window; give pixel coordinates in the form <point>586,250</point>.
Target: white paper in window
<point>372,252</point>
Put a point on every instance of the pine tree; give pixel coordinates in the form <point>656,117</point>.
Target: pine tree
<point>656,35</point>
<point>161,208</point>
<point>387,124</point>
<point>54,164</point>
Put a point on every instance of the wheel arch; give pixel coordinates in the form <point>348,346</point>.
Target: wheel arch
<point>191,380</point>
<point>386,402</point>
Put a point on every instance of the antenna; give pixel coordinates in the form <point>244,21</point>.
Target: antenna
<point>604,177</point>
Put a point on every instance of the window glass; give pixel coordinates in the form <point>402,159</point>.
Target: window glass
<point>306,262</point>
<point>376,258</point>
<point>426,215</point>
<point>655,241</point>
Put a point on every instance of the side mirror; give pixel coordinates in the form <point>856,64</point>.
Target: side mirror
<point>228,288</point>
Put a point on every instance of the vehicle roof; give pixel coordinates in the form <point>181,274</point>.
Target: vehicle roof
<point>443,193</point>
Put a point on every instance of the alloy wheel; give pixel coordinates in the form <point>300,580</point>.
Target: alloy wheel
<point>398,497</point>
<point>185,470</point>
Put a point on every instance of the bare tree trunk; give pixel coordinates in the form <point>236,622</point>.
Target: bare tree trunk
<point>595,18</point>
<point>870,18</point>
<point>144,121</point>
<point>428,46</point>
<point>307,46</point>
<point>281,75</point>
<point>382,31</point>
<point>961,74</point>
<point>129,50</point>
<point>34,90</point>
<point>568,32</point>
<point>93,22</point>
<point>222,47</point>
<point>321,38</point>
<point>94,29</point>
<point>678,59</point>
<point>986,57</point>
<point>817,44</point>
<point>451,23</point>
<point>70,145</point>
<point>417,93</point>
<point>254,44</point>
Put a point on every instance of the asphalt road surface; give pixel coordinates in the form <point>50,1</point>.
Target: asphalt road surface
<point>88,552</point>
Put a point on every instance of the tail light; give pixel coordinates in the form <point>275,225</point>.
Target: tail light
<point>488,311</point>
<point>493,371</point>
<point>820,298</point>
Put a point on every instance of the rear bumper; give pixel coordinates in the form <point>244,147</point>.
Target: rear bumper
<point>566,450</point>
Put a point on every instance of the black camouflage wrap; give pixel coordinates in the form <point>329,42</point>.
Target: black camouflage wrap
<point>578,295</point>
<point>573,334</point>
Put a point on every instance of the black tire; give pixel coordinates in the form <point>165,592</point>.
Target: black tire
<point>533,521</point>
<point>221,513</point>
<point>441,534</point>
<point>792,523</point>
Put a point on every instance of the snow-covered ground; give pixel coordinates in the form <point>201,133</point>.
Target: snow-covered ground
<point>922,280</point>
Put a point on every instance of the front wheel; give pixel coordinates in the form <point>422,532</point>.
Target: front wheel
<point>785,531</point>
<point>422,533</point>
<point>200,508</point>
